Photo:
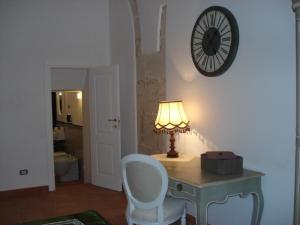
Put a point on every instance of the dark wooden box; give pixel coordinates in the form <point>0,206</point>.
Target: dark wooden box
<point>222,165</point>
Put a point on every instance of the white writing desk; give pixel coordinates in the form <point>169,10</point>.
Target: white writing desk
<point>187,180</point>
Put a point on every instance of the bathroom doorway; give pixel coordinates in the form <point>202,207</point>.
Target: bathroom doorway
<point>69,79</point>
<point>67,116</point>
<point>100,87</point>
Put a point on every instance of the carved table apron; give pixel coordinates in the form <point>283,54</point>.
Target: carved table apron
<point>187,180</point>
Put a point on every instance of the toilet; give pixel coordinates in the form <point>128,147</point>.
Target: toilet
<point>66,167</point>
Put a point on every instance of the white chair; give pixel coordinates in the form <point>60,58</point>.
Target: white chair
<point>145,181</point>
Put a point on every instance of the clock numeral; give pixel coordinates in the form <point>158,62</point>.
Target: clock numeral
<point>224,28</point>
<point>199,25</point>
<point>226,45</point>
<point>220,24</point>
<point>226,38</point>
<point>196,49</point>
<point>207,58</point>
<point>200,38</point>
<point>207,20</point>
<point>200,53</point>
<point>199,32</point>
<point>198,43</point>
<point>221,57</point>
<point>214,17</point>
<point>212,21</point>
<point>217,57</point>
<point>225,33</point>
<point>214,62</point>
<point>205,23</point>
<point>219,19</point>
<point>224,51</point>
<point>204,61</point>
<point>210,63</point>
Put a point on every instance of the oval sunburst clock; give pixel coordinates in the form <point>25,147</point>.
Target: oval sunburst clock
<point>214,41</point>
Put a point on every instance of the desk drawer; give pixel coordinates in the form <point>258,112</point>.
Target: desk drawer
<point>182,189</point>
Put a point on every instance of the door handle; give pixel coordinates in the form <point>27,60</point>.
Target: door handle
<point>116,122</point>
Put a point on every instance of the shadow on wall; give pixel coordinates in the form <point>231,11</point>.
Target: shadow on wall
<point>194,143</point>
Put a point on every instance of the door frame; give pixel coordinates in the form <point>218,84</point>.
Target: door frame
<point>48,113</point>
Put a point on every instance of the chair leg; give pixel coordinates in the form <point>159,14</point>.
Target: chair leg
<point>129,221</point>
<point>183,218</point>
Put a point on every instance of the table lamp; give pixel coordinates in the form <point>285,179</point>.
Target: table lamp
<point>171,118</point>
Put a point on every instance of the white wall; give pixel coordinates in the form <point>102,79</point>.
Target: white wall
<point>122,53</point>
<point>68,78</point>
<point>250,109</point>
<point>33,34</point>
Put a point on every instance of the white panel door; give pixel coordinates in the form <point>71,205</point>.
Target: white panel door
<point>105,127</point>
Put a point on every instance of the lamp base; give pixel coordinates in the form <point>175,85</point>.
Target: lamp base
<point>172,153</point>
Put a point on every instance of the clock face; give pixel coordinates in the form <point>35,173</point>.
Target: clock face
<point>214,41</point>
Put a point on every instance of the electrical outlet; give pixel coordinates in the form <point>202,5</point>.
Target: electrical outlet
<point>23,172</point>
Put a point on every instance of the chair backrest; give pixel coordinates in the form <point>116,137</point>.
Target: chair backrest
<point>145,181</point>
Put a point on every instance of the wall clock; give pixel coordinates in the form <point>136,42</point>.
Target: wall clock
<point>214,41</point>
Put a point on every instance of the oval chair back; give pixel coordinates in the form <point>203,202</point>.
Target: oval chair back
<point>145,181</point>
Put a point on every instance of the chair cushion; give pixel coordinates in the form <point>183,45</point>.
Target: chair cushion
<point>173,208</point>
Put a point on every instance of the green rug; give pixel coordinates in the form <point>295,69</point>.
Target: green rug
<point>85,218</point>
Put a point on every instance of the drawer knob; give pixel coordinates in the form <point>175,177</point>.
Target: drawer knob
<point>179,187</point>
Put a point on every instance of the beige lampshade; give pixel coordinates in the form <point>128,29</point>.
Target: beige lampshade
<point>171,117</point>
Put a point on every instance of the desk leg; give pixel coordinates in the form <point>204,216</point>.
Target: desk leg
<point>201,213</point>
<point>258,205</point>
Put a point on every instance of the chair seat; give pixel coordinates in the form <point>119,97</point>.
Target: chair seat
<point>173,209</point>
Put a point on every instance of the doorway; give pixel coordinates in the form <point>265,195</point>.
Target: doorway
<point>67,78</point>
<point>100,93</point>
<point>67,121</point>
